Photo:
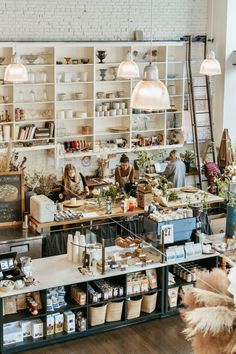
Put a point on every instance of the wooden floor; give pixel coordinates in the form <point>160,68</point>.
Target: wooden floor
<point>154,337</point>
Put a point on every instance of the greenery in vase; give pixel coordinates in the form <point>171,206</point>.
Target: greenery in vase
<point>97,194</point>
<point>188,156</point>
<point>113,191</point>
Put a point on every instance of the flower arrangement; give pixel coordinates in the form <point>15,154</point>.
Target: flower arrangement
<point>97,194</point>
<point>160,186</point>
<point>113,191</point>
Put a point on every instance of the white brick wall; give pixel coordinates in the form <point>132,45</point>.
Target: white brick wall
<point>97,20</point>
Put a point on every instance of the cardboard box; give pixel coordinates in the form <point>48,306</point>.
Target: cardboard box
<point>26,328</point>
<point>50,325</point>
<point>59,320</point>
<point>144,199</point>
<point>37,328</point>
<point>69,322</point>
<point>144,188</point>
<point>12,333</point>
<point>218,223</point>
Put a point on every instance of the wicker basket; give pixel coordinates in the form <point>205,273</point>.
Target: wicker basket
<point>114,311</point>
<point>134,308</point>
<point>149,303</point>
<point>97,315</point>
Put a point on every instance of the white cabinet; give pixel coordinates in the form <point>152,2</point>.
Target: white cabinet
<point>75,105</point>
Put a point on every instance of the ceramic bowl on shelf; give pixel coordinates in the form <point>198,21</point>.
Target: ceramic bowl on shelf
<point>61,96</point>
<point>100,95</point>
<point>2,60</point>
<point>85,60</point>
<point>30,58</point>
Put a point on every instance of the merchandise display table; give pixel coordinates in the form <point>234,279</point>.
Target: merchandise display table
<point>186,198</point>
<point>89,214</point>
<point>64,273</point>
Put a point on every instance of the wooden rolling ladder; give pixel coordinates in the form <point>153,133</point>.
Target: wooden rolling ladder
<point>197,124</point>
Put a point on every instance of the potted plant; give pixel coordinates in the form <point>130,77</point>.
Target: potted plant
<point>188,158</point>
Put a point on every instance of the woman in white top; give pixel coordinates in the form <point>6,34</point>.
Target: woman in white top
<point>124,173</point>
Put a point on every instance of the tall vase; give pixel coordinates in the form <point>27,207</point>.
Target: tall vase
<point>230,220</point>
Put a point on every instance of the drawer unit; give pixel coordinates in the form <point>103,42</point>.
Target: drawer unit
<point>31,248</point>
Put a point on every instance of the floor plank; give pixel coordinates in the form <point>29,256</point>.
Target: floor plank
<point>154,337</point>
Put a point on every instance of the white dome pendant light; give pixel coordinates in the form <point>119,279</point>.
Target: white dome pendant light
<point>128,69</point>
<point>15,71</point>
<point>210,66</point>
<point>150,93</point>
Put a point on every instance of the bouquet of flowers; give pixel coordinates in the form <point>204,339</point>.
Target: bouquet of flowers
<point>97,194</point>
<point>160,186</point>
<point>113,191</point>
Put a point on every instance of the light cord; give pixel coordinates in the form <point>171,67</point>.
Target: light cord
<point>212,16</point>
<point>151,30</point>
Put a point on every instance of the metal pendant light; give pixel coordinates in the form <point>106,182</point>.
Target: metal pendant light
<point>15,72</point>
<point>128,69</point>
<point>210,66</point>
<point>150,93</point>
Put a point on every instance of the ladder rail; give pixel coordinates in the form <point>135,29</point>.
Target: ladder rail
<point>193,111</point>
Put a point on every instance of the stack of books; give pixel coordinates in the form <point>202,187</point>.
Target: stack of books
<point>30,132</point>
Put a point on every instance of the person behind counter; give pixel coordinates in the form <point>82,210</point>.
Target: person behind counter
<point>124,174</point>
<point>74,184</point>
<point>175,171</point>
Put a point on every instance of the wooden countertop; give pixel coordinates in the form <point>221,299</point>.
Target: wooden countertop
<point>90,213</point>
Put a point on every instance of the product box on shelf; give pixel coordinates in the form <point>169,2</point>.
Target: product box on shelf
<point>78,295</point>
<point>12,333</point>
<point>50,325</point>
<point>59,319</point>
<point>37,328</point>
<point>69,322</point>
<point>26,328</point>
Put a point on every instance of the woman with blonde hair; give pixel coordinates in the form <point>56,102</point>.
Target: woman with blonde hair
<point>74,184</point>
<point>175,171</point>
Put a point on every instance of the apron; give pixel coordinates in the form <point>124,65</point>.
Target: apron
<point>74,188</point>
<point>125,179</point>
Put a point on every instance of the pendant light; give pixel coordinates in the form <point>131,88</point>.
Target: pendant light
<point>210,66</point>
<point>128,69</point>
<point>150,93</point>
<point>15,72</point>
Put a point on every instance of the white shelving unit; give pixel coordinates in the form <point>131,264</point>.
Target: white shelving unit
<point>85,103</point>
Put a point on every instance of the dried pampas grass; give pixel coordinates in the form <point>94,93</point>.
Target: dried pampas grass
<point>215,281</point>
<point>210,315</point>
<point>208,298</point>
<point>218,319</point>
